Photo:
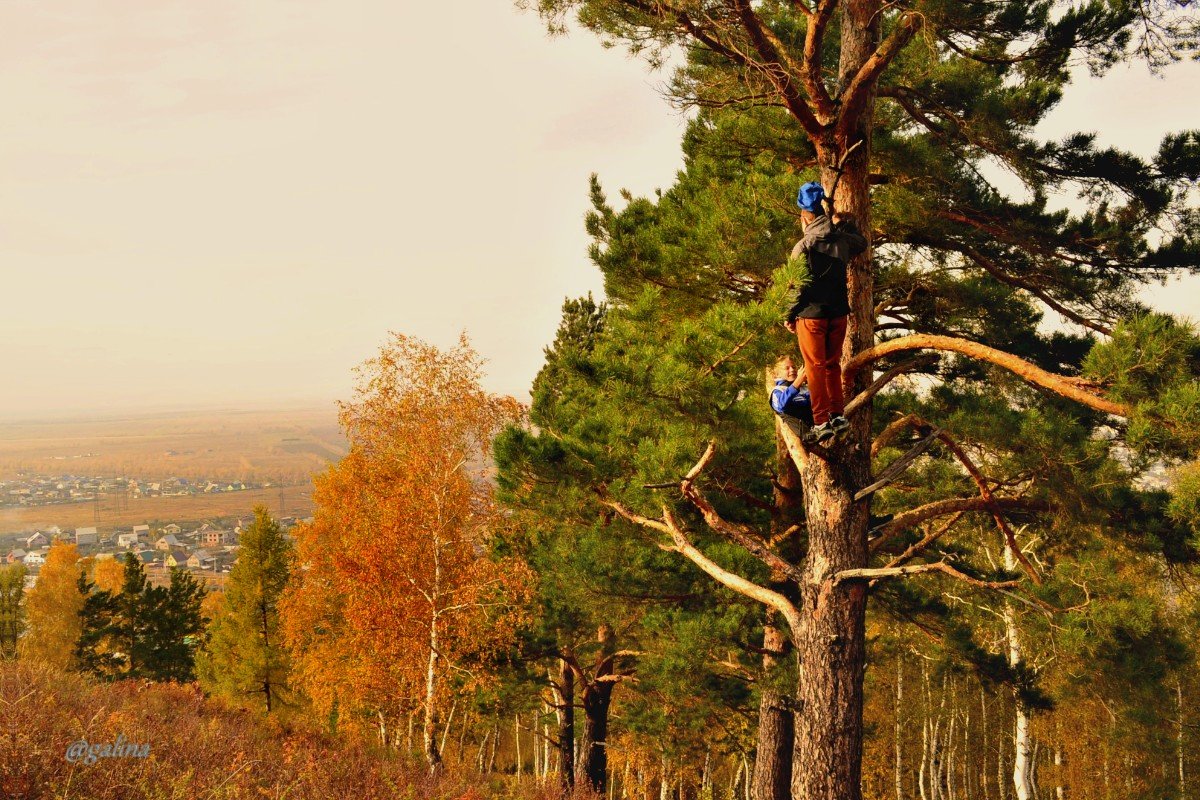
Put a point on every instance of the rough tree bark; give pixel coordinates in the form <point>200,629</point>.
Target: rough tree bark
<point>566,725</point>
<point>596,699</point>
<point>776,717</point>
<point>776,728</point>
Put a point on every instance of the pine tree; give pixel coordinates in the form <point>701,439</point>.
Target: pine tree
<point>142,631</point>
<point>912,98</point>
<point>12,608</point>
<point>245,654</point>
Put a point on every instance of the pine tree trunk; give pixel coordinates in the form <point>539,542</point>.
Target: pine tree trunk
<point>831,644</point>
<point>594,747</point>
<point>566,726</point>
<point>776,728</point>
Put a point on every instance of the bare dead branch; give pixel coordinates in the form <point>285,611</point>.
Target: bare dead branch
<point>898,467</point>
<point>682,545</point>
<point>1018,366</point>
<point>873,574</point>
<point>883,380</point>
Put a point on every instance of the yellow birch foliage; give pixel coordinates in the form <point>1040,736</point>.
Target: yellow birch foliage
<point>394,566</point>
<point>52,609</point>
<point>109,575</point>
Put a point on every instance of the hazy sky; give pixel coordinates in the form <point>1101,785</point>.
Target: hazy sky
<point>233,202</point>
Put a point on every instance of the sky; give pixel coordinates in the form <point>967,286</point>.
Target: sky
<point>232,204</point>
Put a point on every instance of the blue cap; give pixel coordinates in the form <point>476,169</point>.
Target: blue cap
<point>810,197</point>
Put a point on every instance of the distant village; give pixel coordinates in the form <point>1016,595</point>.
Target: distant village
<point>208,550</point>
<point>40,490</point>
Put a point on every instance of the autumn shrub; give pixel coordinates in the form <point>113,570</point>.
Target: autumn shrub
<point>199,747</point>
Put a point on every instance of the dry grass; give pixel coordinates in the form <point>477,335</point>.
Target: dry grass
<point>198,747</point>
<point>204,748</point>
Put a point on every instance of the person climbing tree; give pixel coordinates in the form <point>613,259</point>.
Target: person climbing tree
<point>818,317</point>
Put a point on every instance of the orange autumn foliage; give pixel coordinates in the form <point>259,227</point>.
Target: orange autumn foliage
<point>109,575</point>
<point>396,588</point>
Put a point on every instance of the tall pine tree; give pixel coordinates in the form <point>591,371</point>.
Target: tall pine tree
<point>913,98</point>
<point>245,657</point>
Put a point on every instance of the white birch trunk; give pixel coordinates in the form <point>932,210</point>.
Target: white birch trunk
<point>925,726</point>
<point>983,745</point>
<point>1179,737</point>
<point>517,742</point>
<point>1021,737</point>
<point>897,729</point>
<point>429,724</point>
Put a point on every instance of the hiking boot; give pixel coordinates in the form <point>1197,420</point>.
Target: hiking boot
<point>823,433</point>
<point>840,424</point>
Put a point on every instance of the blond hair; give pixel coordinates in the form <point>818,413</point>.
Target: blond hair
<point>779,362</point>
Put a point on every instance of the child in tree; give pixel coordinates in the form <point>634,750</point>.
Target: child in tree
<point>818,317</point>
<point>788,400</point>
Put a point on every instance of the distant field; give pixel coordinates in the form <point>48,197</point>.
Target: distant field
<point>284,447</point>
<point>155,511</point>
<point>259,446</point>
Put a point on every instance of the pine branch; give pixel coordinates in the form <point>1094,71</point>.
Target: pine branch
<point>858,91</point>
<point>682,545</point>
<point>778,68</point>
<point>1032,373</point>
<point>953,505</point>
<point>814,39</point>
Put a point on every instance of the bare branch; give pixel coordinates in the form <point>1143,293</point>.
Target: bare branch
<point>897,467</point>
<point>929,539</point>
<point>981,483</point>
<point>917,569</point>
<point>1032,373</point>
<point>681,544</point>
<point>883,380</point>
<point>735,532</point>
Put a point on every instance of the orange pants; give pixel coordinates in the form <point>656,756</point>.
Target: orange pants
<point>821,343</point>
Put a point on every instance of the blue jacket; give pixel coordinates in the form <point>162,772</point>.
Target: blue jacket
<point>787,399</point>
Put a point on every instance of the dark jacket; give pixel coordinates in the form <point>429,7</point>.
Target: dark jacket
<point>790,401</point>
<point>827,248</point>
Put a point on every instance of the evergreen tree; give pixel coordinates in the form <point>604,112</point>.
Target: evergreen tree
<point>12,608</point>
<point>959,268</point>
<point>245,654</point>
<point>143,631</point>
